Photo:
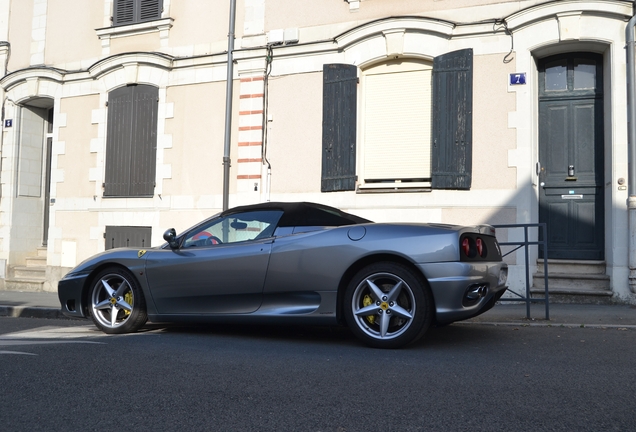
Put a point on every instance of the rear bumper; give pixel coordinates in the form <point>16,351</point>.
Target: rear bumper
<point>69,291</point>
<point>450,281</point>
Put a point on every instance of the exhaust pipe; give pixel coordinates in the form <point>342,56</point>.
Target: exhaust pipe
<point>474,293</point>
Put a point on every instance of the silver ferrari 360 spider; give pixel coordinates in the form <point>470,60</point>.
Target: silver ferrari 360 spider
<point>295,263</point>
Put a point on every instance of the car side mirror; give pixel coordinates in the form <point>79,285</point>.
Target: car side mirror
<point>170,235</point>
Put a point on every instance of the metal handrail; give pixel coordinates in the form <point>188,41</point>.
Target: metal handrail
<point>525,244</point>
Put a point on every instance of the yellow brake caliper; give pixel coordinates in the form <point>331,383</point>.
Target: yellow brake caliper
<point>128,298</point>
<point>366,301</point>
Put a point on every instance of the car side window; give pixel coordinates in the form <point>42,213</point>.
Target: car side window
<point>234,228</point>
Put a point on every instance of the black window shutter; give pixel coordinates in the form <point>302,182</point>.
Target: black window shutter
<point>134,11</point>
<point>144,138</point>
<point>118,141</point>
<point>339,108</point>
<point>451,166</point>
<point>149,10</point>
<point>131,141</point>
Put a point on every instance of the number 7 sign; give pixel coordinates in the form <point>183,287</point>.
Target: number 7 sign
<point>517,78</point>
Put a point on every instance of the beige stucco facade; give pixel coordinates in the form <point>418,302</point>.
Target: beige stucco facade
<point>67,57</point>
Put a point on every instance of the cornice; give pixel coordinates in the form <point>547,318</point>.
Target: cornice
<point>616,9</point>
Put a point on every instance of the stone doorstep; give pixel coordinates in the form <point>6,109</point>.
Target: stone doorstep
<point>38,261</point>
<point>572,291</point>
<point>556,266</point>
<point>29,272</point>
<point>24,284</point>
<point>572,281</point>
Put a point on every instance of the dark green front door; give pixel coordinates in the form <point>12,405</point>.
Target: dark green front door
<point>571,155</point>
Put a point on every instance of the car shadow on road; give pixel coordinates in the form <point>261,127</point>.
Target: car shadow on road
<point>437,337</point>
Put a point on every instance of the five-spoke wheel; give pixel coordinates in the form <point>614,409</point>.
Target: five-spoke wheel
<point>387,305</point>
<point>117,304</point>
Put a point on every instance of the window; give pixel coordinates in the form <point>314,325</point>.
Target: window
<point>234,228</point>
<point>131,141</point>
<point>579,73</point>
<point>416,128</point>
<point>136,11</point>
<point>397,124</point>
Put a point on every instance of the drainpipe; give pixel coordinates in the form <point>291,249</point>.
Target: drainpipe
<point>631,147</point>
<point>228,108</point>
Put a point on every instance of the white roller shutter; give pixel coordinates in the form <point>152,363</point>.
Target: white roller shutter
<point>397,125</point>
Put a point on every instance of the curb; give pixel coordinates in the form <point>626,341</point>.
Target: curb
<point>56,313</point>
<point>556,325</point>
<point>31,312</point>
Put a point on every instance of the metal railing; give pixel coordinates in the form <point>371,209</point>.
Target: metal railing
<point>526,243</point>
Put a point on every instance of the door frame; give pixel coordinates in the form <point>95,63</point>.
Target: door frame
<point>598,94</point>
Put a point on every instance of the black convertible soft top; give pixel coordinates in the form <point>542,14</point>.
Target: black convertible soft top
<point>303,214</point>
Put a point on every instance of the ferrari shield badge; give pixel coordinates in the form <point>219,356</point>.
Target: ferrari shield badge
<point>141,253</point>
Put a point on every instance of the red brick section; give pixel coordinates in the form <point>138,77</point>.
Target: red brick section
<point>251,119</point>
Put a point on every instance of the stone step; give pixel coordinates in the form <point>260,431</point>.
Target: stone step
<point>572,281</point>
<point>575,296</point>
<point>24,284</point>
<point>42,251</point>
<point>37,261</point>
<point>26,272</point>
<point>572,266</point>
<point>572,291</point>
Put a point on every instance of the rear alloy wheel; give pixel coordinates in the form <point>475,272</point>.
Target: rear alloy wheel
<point>388,306</point>
<point>117,304</point>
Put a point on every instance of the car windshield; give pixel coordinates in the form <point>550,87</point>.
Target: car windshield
<point>234,228</point>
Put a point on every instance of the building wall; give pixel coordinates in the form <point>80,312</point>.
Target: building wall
<point>492,103</point>
<point>183,55</point>
<point>333,12</point>
<point>295,129</point>
<point>70,29</point>
<point>20,30</point>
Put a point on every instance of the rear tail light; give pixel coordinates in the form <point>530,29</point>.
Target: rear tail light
<point>476,247</point>
<point>466,247</point>
<point>481,248</point>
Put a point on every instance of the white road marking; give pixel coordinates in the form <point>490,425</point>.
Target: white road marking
<point>49,335</point>
<point>16,352</point>
<point>52,332</point>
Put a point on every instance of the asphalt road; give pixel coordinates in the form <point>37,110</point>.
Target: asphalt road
<point>65,375</point>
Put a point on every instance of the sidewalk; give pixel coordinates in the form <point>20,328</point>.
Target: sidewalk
<point>30,304</point>
<point>47,305</point>
<point>569,315</point>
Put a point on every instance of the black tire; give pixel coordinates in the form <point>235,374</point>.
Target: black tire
<point>392,290</point>
<point>116,302</point>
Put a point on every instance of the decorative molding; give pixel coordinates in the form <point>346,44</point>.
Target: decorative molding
<point>569,25</point>
<point>551,10</point>
<point>160,25</point>
<point>394,41</point>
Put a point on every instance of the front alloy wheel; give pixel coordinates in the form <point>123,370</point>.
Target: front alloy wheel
<point>116,302</point>
<point>387,305</point>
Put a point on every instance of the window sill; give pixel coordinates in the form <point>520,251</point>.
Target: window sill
<point>126,196</point>
<point>135,29</point>
<point>393,187</point>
